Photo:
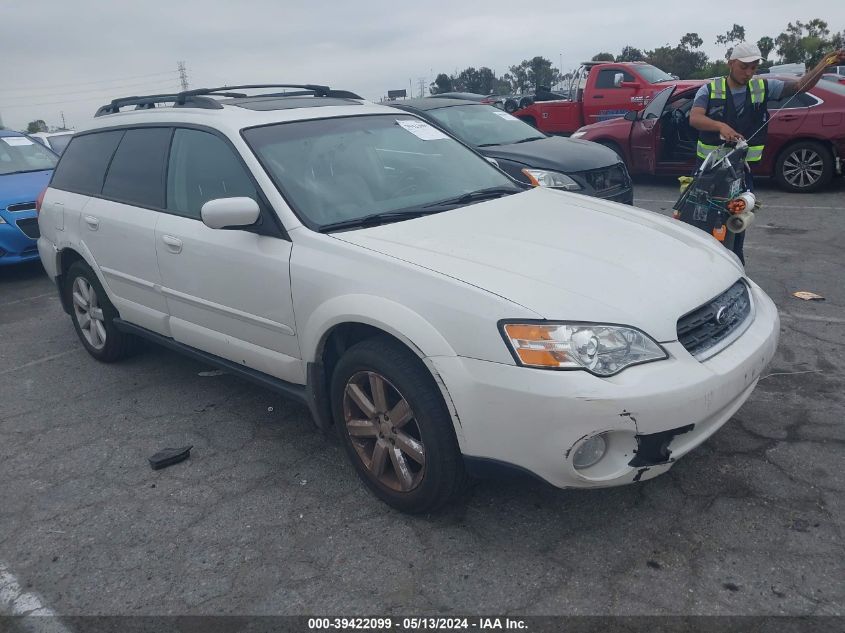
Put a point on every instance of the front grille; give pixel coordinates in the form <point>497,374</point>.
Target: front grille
<point>607,178</point>
<point>21,206</point>
<point>29,226</point>
<point>715,321</point>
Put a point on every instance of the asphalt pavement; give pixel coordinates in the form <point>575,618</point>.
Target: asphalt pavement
<point>267,516</point>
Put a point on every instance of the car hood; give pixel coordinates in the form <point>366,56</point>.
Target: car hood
<point>567,257</point>
<point>23,187</point>
<point>561,154</point>
<point>616,128</point>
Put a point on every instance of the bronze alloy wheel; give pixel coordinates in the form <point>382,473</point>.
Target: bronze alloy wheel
<point>384,432</point>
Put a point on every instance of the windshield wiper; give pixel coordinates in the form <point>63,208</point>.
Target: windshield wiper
<point>530,138</point>
<point>375,219</point>
<point>24,171</point>
<point>475,196</point>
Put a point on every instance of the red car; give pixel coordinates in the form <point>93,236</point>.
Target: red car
<point>804,150</point>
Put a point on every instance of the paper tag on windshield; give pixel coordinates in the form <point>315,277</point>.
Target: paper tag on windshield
<point>506,116</point>
<point>422,130</point>
<point>16,141</point>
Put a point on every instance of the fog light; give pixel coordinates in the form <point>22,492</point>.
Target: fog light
<point>589,452</point>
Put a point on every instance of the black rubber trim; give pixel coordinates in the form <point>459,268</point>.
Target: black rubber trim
<point>63,298</point>
<point>318,396</point>
<point>291,390</point>
<point>653,449</point>
<point>487,468</point>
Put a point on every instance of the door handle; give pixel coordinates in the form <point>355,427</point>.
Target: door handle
<point>788,117</point>
<point>92,222</point>
<point>174,244</point>
<point>598,96</point>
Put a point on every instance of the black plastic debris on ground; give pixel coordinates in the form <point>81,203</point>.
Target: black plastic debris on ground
<point>169,456</point>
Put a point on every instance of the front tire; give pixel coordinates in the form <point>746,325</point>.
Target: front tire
<point>93,316</point>
<point>395,426</point>
<point>804,167</point>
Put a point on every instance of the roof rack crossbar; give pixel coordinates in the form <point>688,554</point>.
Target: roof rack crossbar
<point>320,91</point>
<point>201,97</point>
<point>149,101</point>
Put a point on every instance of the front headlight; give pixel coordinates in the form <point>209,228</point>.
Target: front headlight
<point>601,349</point>
<point>544,178</point>
<point>578,133</point>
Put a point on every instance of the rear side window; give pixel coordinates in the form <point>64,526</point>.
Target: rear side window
<point>136,173</point>
<point>82,168</point>
<point>606,77</point>
<point>800,100</point>
<point>203,167</point>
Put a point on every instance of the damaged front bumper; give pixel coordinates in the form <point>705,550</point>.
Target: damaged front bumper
<point>649,416</point>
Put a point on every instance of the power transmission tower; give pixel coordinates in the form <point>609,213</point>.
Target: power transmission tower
<point>421,83</point>
<point>64,124</point>
<point>183,75</point>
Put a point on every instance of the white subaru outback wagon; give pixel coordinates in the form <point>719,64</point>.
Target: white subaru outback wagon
<point>446,320</point>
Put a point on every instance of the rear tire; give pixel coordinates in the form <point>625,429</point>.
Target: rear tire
<point>395,426</point>
<point>511,106</point>
<point>93,316</point>
<point>804,167</point>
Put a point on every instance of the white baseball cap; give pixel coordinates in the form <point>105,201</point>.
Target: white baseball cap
<point>746,53</point>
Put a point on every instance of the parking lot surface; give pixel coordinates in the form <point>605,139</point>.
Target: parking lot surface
<point>268,517</point>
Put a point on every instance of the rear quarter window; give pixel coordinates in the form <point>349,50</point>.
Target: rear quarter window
<point>136,173</point>
<point>82,168</point>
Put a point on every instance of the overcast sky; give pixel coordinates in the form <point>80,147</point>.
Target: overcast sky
<point>72,56</point>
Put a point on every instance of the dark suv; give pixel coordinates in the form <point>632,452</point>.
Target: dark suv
<point>526,154</point>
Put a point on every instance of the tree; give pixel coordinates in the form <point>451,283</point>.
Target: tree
<point>630,54</point>
<point>532,73</point>
<point>766,45</point>
<point>603,57</point>
<point>443,83</point>
<point>691,41</point>
<point>734,36</point>
<point>36,126</point>
<point>716,68</point>
<point>804,43</point>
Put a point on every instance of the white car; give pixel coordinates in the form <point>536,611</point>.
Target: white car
<point>56,141</point>
<point>446,320</point>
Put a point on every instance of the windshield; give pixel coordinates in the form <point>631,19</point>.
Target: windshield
<point>484,125</point>
<point>655,108</point>
<point>18,153</point>
<point>652,74</point>
<point>336,170</point>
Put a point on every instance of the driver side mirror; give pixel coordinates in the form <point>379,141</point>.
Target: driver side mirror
<point>225,213</point>
<point>618,78</point>
<point>631,115</point>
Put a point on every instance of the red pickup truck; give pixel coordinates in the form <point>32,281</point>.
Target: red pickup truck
<point>599,91</point>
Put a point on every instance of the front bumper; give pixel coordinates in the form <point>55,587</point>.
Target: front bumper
<point>534,420</point>
<point>15,246</point>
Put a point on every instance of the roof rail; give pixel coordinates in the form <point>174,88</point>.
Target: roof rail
<point>201,97</point>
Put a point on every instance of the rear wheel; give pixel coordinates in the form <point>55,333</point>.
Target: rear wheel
<point>395,426</point>
<point>93,316</point>
<point>804,167</point>
<point>511,105</point>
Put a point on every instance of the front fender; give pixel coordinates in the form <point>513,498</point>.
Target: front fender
<point>392,317</point>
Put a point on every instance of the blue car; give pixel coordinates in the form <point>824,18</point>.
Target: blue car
<point>25,170</point>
